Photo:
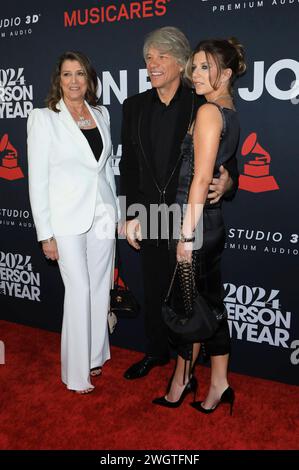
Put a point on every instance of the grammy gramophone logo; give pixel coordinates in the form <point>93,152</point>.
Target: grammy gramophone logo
<point>256,177</point>
<point>9,168</point>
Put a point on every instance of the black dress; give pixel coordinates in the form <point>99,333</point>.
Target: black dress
<point>208,259</point>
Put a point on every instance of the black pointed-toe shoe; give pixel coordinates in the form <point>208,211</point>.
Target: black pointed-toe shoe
<point>191,387</point>
<point>142,368</point>
<point>228,396</point>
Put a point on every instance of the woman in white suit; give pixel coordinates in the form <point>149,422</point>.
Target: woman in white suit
<point>75,210</point>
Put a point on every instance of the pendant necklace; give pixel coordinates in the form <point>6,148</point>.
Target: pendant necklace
<point>82,122</point>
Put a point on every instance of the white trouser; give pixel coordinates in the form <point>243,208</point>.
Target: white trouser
<point>85,263</point>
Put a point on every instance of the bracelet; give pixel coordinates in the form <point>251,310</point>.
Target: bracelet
<point>184,239</point>
<point>48,240</point>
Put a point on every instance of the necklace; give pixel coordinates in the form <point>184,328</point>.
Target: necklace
<point>82,123</point>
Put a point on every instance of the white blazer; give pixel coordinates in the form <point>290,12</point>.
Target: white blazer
<point>66,183</point>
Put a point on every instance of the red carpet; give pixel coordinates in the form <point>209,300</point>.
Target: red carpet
<point>37,412</point>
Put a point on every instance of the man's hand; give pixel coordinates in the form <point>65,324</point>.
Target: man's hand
<point>220,186</point>
<point>133,233</point>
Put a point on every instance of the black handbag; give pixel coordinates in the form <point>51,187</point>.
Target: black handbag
<point>122,301</point>
<point>188,315</point>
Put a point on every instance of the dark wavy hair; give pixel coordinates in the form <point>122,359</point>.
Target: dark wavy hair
<point>227,53</point>
<point>55,92</point>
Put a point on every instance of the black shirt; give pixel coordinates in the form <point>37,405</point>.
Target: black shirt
<point>94,139</point>
<point>163,124</point>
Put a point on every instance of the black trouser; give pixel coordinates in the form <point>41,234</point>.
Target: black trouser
<point>155,267</point>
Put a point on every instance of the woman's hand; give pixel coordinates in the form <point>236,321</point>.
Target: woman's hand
<point>50,249</point>
<point>184,251</point>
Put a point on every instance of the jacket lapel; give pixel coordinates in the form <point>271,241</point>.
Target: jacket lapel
<point>104,130</point>
<point>144,126</point>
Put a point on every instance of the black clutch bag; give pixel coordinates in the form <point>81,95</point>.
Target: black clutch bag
<point>122,302</point>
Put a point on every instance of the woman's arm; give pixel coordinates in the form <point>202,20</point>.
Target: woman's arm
<point>38,142</point>
<point>38,171</point>
<point>206,138</point>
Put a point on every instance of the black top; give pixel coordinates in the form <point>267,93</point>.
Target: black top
<point>94,139</point>
<point>226,152</point>
<point>162,128</point>
<point>229,137</point>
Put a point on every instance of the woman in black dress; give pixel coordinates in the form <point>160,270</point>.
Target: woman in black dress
<point>211,141</point>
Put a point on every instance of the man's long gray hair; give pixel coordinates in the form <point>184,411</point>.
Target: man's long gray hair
<point>171,40</point>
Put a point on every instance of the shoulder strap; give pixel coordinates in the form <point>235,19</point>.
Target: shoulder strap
<point>171,282</point>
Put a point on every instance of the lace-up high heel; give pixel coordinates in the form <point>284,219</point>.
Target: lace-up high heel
<point>228,396</point>
<point>190,387</point>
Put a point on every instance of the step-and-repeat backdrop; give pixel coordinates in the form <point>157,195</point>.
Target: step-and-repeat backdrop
<point>260,263</point>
